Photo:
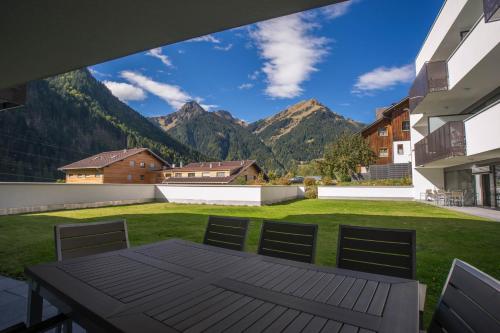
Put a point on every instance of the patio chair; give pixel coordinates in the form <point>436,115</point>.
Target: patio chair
<point>286,240</point>
<point>470,302</point>
<point>226,232</point>
<point>381,251</point>
<point>377,250</point>
<point>83,239</point>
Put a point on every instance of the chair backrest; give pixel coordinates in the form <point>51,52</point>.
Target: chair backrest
<point>226,232</point>
<point>470,302</point>
<point>83,239</point>
<point>377,250</point>
<point>294,241</point>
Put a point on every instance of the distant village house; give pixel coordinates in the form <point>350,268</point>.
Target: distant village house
<point>127,166</point>
<point>223,172</point>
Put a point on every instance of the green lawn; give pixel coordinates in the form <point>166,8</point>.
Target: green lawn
<point>441,234</point>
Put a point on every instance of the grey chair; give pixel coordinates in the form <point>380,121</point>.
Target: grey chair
<point>293,241</point>
<point>226,232</point>
<point>377,250</point>
<point>83,239</point>
<point>470,302</point>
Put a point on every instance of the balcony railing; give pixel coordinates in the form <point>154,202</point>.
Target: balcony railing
<point>432,77</point>
<point>491,10</point>
<point>445,142</point>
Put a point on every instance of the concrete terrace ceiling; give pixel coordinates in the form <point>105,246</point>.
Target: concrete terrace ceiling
<point>41,38</point>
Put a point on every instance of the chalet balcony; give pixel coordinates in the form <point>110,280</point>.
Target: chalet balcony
<point>433,77</point>
<point>445,142</point>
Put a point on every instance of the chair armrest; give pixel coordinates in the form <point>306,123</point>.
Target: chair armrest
<point>422,290</point>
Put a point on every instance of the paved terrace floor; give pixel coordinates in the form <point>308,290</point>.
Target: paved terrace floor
<point>491,214</point>
<point>13,304</point>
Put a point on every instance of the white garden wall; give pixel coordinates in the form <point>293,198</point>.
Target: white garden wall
<point>210,194</point>
<point>366,192</point>
<point>35,197</point>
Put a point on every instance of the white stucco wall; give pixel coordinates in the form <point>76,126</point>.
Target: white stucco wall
<point>273,194</point>
<point>366,192</point>
<point>482,131</point>
<point>210,194</point>
<point>34,197</point>
<point>406,156</point>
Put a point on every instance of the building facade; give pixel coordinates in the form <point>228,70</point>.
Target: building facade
<point>455,104</point>
<point>389,135</point>
<point>221,172</point>
<point>128,166</point>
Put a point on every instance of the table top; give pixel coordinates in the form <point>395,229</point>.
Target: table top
<point>177,285</point>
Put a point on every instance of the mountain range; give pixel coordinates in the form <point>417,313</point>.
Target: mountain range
<point>72,116</point>
<point>298,133</point>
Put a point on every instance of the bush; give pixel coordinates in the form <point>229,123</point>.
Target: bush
<point>327,180</point>
<point>281,181</point>
<point>309,182</point>
<point>311,192</point>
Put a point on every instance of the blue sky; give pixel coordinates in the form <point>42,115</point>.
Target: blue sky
<point>353,57</point>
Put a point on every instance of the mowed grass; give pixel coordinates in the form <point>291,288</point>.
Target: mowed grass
<point>441,234</point>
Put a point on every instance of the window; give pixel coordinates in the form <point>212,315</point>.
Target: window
<point>406,125</point>
<point>178,175</point>
<point>382,131</point>
<point>168,175</point>
<point>383,152</point>
<point>81,175</point>
<point>132,164</point>
<point>98,175</point>
<point>191,174</point>
<point>89,175</point>
<point>221,174</point>
<point>152,166</point>
<point>246,177</point>
<point>143,165</point>
<point>70,175</point>
<point>141,177</point>
<point>206,174</point>
<point>129,178</point>
<point>401,149</point>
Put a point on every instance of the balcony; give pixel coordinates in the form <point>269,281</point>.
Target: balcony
<point>432,77</point>
<point>445,142</point>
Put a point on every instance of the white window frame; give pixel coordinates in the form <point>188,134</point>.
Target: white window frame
<point>386,154</point>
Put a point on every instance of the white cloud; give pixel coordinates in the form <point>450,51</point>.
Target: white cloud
<point>254,75</point>
<point>95,72</point>
<point>172,94</point>
<point>382,78</point>
<point>125,92</point>
<point>224,48</point>
<point>290,51</point>
<point>338,9</point>
<point>157,53</point>
<point>245,86</point>
<point>206,38</point>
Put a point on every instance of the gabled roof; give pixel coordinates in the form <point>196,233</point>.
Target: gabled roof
<point>236,168</point>
<point>386,113</point>
<point>215,166</point>
<point>106,158</point>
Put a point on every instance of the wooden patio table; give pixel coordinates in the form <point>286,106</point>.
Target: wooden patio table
<point>181,286</point>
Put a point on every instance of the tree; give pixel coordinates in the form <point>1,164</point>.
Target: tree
<point>343,156</point>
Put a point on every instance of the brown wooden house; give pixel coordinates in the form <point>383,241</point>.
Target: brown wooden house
<point>127,166</point>
<point>389,134</point>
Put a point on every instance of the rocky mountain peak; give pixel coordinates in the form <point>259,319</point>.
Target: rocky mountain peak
<point>229,117</point>
<point>191,107</point>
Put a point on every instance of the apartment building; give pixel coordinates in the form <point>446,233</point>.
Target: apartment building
<point>455,104</point>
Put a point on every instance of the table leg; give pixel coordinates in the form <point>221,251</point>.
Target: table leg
<point>35,306</point>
